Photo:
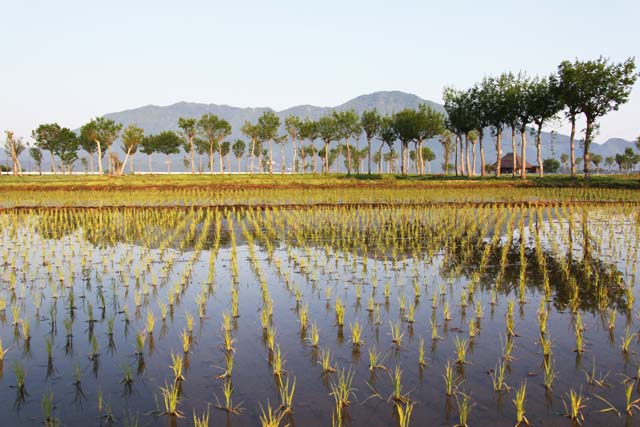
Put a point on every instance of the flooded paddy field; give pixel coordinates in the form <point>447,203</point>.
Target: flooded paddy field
<point>465,313</point>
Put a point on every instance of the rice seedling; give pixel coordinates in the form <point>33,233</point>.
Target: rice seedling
<point>464,408</point>
<point>545,343</point>
<point>421,359</point>
<point>286,392</point>
<point>404,411</point>
<point>631,404</point>
<point>376,360</point>
<point>325,361</point>
<point>314,337</point>
<point>396,380</point>
<point>278,363</point>
<point>549,374</point>
<point>576,403</point>
<point>203,420</point>
<point>151,321</point>
<point>270,418</point>
<point>461,350</point>
<point>186,342</point>
<point>446,312</point>
<point>597,380</point>
<point>228,406</point>
<point>396,334</point>
<point>626,340</point>
<point>342,389</point>
<point>177,362</point>
<point>228,341</point>
<point>451,381</point>
<point>171,399</point>
<point>498,377</point>
<point>518,402</point>
<point>356,335</point>
<point>339,312</point>
<point>47,406</point>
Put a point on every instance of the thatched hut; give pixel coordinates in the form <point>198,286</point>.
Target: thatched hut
<point>507,165</point>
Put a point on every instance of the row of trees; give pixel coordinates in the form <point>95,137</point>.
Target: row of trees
<point>519,102</point>
<point>589,88</point>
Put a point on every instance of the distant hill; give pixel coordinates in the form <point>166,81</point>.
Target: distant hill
<point>154,119</point>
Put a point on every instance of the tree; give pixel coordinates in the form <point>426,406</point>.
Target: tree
<point>131,139</point>
<point>225,149</point>
<point>446,140</point>
<point>596,87</point>
<point>551,165</point>
<point>596,159</point>
<point>627,160</point>
<point>89,146</point>
<point>66,148</point>
<point>213,130</point>
<point>458,122</point>
<point>13,147</point>
<point>543,104</point>
<point>404,125</point>
<point>348,126</point>
<point>166,142</point>
<point>493,103</point>
<point>292,125</point>
<point>429,123</point>
<point>428,156</point>
<point>609,161</point>
<point>564,158</point>
<point>102,132</point>
<point>45,136</point>
<point>377,159</point>
<point>189,128</point>
<point>473,136</point>
<point>252,132</point>
<point>309,130</point>
<point>387,134</point>
<point>268,124</point>
<point>327,131</point>
<point>370,122</point>
<point>36,155</point>
<point>522,112</point>
<point>238,148</point>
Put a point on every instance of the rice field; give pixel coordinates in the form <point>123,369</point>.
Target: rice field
<point>320,307</point>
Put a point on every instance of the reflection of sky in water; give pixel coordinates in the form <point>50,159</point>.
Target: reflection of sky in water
<point>109,265</point>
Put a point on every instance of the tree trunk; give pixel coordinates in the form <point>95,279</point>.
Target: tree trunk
<point>326,158</point>
<point>404,158</point>
<point>168,164</point>
<point>513,148</point>
<point>473,158</point>
<point>53,162</point>
<point>498,151</point>
<point>150,170</point>
<point>369,156</point>
<point>270,157</point>
<point>220,161</point>
<point>466,155</point>
<point>253,145</point>
<point>124,163</point>
<point>539,149</point>
<point>294,169</point>
<point>587,143</point>
<point>483,165</point>
<point>572,145</point>
<point>99,158</point>
<point>457,139</point>
<point>211,159</point>
<point>193,155</point>
<point>282,157</point>
<point>446,161</point>
<point>523,169</point>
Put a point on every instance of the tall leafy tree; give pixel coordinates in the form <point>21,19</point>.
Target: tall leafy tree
<point>13,147</point>
<point>446,140</point>
<point>166,142</point>
<point>309,131</point>
<point>103,132</point>
<point>493,102</point>
<point>404,124</point>
<point>225,149</point>
<point>213,129</point>
<point>252,132</point>
<point>66,148</point>
<point>90,147</point>
<point>131,138</point>
<point>387,135</point>
<point>348,124</point>
<point>598,87</point>
<point>36,155</point>
<point>189,127</point>
<point>292,125</point>
<point>327,131</point>
<point>46,136</point>
<point>370,122</point>
<point>543,104</point>
<point>268,124</point>
<point>238,148</point>
<point>429,123</point>
<point>524,116</point>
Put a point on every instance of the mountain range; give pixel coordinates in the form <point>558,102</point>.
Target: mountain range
<point>154,119</point>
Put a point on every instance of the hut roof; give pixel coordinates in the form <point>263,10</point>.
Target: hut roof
<point>507,161</point>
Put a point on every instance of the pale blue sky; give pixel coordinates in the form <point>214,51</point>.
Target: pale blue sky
<point>68,61</point>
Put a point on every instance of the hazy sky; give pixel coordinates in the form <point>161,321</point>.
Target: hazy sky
<point>68,61</point>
